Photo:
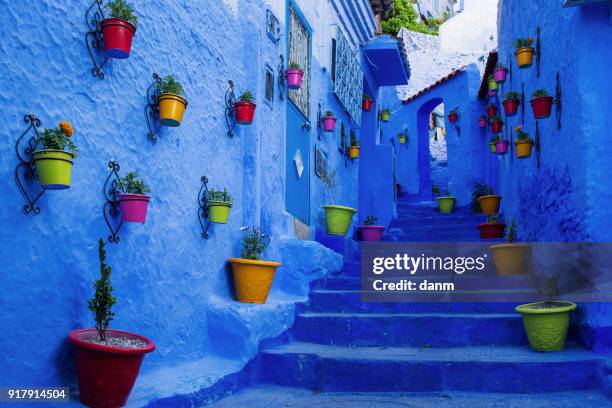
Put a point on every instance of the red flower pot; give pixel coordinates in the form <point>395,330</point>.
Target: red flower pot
<point>134,207</point>
<point>511,107</point>
<point>294,78</point>
<point>366,104</point>
<point>452,117</point>
<point>118,34</point>
<point>492,230</point>
<point>482,123</point>
<point>371,232</point>
<point>496,127</point>
<point>329,124</point>
<point>541,106</point>
<point>107,373</point>
<point>244,112</point>
<point>501,147</point>
<point>499,74</point>
<point>492,111</point>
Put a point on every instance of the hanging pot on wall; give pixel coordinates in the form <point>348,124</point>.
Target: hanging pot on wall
<point>496,126</point>
<point>54,168</point>
<point>385,116</point>
<point>482,122</point>
<point>245,111</point>
<point>453,117</point>
<point>171,109</point>
<point>489,204</point>
<point>492,147</point>
<point>546,324</point>
<point>511,107</point>
<point>117,34</point>
<point>134,207</point>
<point>489,230</point>
<point>338,219</point>
<point>499,74</point>
<point>353,152</point>
<point>524,56</point>
<point>403,138</point>
<point>523,148</point>
<point>107,374</point>
<point>493,92</point>
<point>329,123</point>
<point>491,111</point>
<point>501,147</point>
<point>253,279</point>
<point>218,211</point>
<point>294,78</point>
<point>541,106</point>
<point>366,103</point>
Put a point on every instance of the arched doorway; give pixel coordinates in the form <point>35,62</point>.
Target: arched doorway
<point>432,151</point>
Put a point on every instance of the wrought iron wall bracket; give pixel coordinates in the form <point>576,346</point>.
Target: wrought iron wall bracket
<point>282,78</point>
<point>152,109</point>
<point>230,111</point>
<point>537,143</point>
<point>94,39</point>
<point>538,51</point>
<point>320,120</point>
<point>25,171</point>
<point>110,209</point>
<point>522,102</point>
<point>203,207</point>
<point>557,101</point>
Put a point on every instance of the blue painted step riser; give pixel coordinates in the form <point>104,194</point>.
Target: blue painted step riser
<point>336,374</point>
<point>425,331</point>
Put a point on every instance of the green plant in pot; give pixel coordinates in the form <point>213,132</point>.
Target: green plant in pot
<point>546,323</point>
<point>172,104</point>
<point>338,218</point>
<point>53,156</point>
<point>511,258</point>
<point>446,203</point>
<point>219,204</point>
<point>108,361</point>
<point>385,115</point>
<point>492,141</point>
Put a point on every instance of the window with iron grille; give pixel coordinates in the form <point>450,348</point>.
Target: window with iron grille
<point>348,78</point>
<point>299,52</point>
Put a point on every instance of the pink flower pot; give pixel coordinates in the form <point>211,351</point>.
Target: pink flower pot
<point>496,127</point>
<point>482,122</point>
<point>501,147</point>
<point>500,74</point>
<point>294,78</point>
<point>329,123</point>
<point>134,207</point>
<point>371,232</point>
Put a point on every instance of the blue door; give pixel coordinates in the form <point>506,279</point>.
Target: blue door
<point>297,159</point>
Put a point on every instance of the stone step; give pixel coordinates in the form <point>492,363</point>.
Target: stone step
<point>478,369</point>
<point>410,329</point>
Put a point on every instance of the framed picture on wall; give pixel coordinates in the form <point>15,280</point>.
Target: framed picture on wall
<point>320,162</point>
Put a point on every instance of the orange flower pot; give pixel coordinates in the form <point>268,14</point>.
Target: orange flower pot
<point>253,279</point>
<point>524,57</point>
<point>523,148</point>
<point>354,152</point>
<point>489,204</point>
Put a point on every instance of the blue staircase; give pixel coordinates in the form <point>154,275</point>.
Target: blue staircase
<point>341,345</point>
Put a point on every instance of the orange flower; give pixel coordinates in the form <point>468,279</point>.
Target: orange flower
<point>66,127</point>
<point>518,129</point>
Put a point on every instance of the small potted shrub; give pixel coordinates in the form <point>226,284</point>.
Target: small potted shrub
<point>523,143</point>
<point>541,104</point>
<point>108,361</point>
<point>172,105</point>
<point>499,73</point>
<point>491,110</point>
<point>492,141</point>
<point>453,116</point>
<point>501,146</point>
<point>446,203</point>
<point>252,276</point>
<point>329,122</point>
<point>403,138</point>
<point>53,154</point>
<point>366,103</point>
<point>294,76</point>
<point>353,147</point>
<point>133,199</point>
<point>219,205</point>
<point>524,52</point>
<point>496,124</point>
<point>511,103</point>
<point>245,108</point>
<point>546,323</point>
<point>337,217</point>
<point>119,29</point>
<point>491,228</point>
<point>369,231</point>
<point>482,121</point>
<point>385,115</point>
<point>484,200</point>
<point>510,258</point>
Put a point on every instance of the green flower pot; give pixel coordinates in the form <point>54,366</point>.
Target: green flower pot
<point>403,139</point>
<point>446,204</point>
<point>492,148</point>
<point>385,116</point>
<point>338,219</point>
<point>218,211</point>
<point>54,168</point>
<point>493,85</point>
<point>546,327</point>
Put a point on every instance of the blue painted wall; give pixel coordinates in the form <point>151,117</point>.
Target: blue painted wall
<point>171,285</point>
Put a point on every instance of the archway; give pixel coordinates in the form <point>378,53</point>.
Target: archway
<point>432,152</point>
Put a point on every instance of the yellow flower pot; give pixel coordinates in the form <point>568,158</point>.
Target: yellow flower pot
<point>354,152</point>
<point>54,168</point>
<point>489,204</point>
<point>403,139</point>
<point>511,259</point>
<point>253,279</point>
<point>524,57</point>
<point>171,109</point>
<point>523,148</point>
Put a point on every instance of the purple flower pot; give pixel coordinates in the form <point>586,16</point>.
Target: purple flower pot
<point>482,123</point>
<point>500,74</point>
<point>329,124</point>
<point>294,78</point>
<point>133,207</point>
<point>492,92</point>
<point>371,232</point>
<point>501,147</point>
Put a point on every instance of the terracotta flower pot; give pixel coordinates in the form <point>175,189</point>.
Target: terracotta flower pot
<point>499,74</point>
<point>523,148</point>
<point>511,107</point>
<point>496,127</point>
<point>501,147</point>
<point>171,109</point>
<point>524,57</point>
<point>491,230</point>
<point>244,112</point>
<point>253,279</point>
<point>511,259</point>
<point>453,117</point>
<point>134,207</point>
<point>371,232</point>
<point>294,78</point>
<point>366,104</point>
<point>107,374</point>
<point>541,107</point>
<point>491,111</point>
<point>329,124</point>
<point>482,122</point>
<point>489,204</point>
<point>117,34</point>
